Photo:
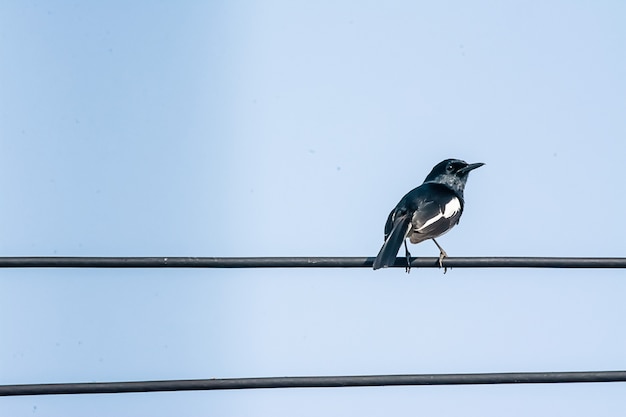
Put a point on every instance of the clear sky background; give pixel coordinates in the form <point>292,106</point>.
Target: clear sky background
<point>291,128</point>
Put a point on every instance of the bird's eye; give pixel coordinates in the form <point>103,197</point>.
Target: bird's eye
<point>450,168</point>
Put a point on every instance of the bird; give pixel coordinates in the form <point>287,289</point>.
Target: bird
<point>426,212</point>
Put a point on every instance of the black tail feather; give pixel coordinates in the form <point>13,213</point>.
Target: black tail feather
<point>387,255</point>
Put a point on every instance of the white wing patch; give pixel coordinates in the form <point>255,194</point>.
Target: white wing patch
<point>450,209</point>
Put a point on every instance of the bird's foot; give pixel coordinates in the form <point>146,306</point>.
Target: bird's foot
<point>408,258</point>
<point>442,254</point>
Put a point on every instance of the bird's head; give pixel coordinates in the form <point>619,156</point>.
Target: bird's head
<point>452,173</point>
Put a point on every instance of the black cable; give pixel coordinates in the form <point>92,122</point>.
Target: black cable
<point>313,382</point>
<point>303,262</point>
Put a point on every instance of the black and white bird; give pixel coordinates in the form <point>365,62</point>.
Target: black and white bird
<point>426,212</point>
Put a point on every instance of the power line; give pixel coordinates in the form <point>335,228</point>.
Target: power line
<point>304,262</point>
<point>313,382</point>
<point>308,382</point>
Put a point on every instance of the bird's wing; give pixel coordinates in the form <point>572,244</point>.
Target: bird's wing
<point>396,229</point>
<point>436,214</point>
<point>390,220</point>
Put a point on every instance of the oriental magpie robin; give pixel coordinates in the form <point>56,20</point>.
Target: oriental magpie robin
<point>426,212</point>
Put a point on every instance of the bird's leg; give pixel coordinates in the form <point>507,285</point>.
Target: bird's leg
<point>442,254</point>
<point>408,258</point>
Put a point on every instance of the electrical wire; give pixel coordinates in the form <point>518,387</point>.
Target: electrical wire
<point>314,382</point>
<point>305,262</point>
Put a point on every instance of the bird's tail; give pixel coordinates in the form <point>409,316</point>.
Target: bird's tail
<point>387,255</point>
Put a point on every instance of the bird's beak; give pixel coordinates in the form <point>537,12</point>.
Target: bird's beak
<point>471,167</point>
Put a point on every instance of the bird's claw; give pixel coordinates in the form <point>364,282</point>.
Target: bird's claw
<point>442,254</point>
<point>407,254</point>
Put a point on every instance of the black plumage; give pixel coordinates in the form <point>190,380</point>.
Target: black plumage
<point>426,212</point>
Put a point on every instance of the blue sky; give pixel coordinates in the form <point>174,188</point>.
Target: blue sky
<point>291,129</point>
